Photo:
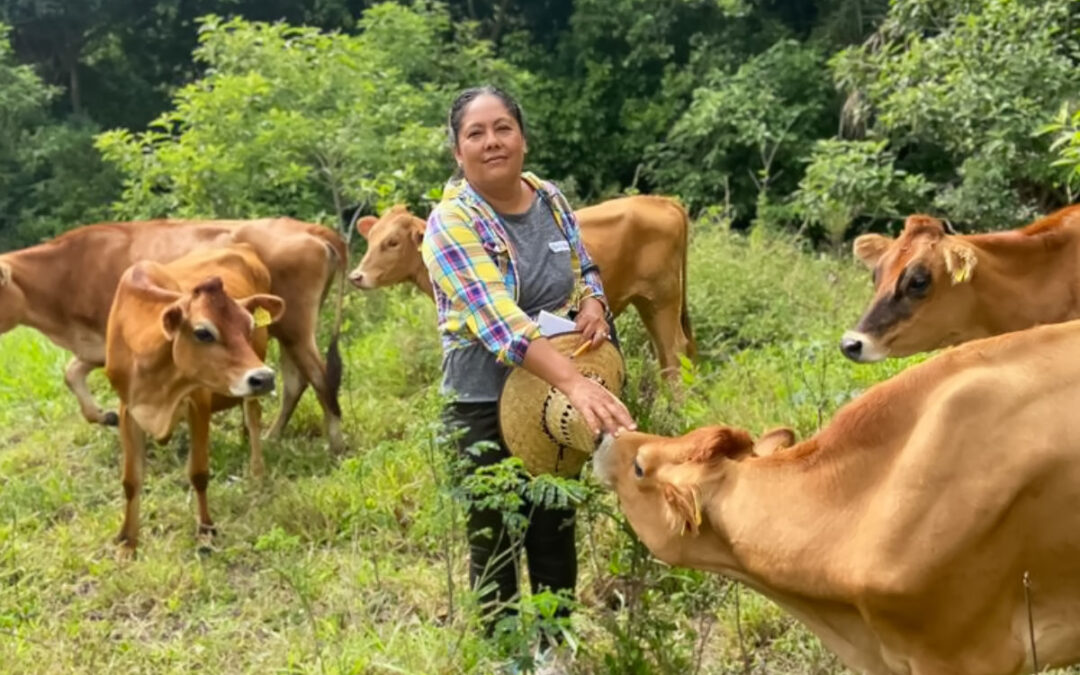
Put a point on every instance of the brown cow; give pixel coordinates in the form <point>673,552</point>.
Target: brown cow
<point>64,287</point>
<point>639,243</point>
<point>933,289</point>
<point>904,532</point>
<point>177,335</point>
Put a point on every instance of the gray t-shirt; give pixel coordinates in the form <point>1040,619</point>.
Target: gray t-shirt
<point>546,280</point>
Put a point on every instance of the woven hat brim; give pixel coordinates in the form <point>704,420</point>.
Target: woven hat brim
<point>521,407</point>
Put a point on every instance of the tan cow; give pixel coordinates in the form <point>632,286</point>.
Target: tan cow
<point>933,289</point>
<point>902,533</point>
<point>64,287</point>
<point>639,243</point>
<point>177,335</point>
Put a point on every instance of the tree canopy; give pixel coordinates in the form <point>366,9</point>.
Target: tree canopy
<point>830,116</point>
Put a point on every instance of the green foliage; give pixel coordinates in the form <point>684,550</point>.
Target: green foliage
<point>293,120</point>
<point>1066,131</point>
<point>746,129</point>
<point>50,177</point>
<point>959,88</point>
<point>849,180</point>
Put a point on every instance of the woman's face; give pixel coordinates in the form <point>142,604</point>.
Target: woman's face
<point>490,145</point>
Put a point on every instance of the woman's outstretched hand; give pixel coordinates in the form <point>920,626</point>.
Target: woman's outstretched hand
<point>603,412</point>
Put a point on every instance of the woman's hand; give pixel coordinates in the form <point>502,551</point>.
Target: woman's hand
<point>600,408</point>
<point>591,322</point>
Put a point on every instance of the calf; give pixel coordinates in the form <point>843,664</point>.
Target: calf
<point>920,532</point>
<point>177,336</point>
<point>639,244</point>
<point>64,288</point>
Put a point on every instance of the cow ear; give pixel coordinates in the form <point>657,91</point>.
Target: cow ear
<point>171,320</point>
<point>960,261</point>
<point>364,225</point>
<point>266,309</point>
<point>718,441</point>
<point>773,440</point>
<point>923,224</point>
<point>5,274</point>
<point>869,248</point>
<point>683,511</point>
<point>417,233</point>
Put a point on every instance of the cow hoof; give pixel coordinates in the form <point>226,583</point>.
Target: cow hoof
<point>110,419</point>
<point>204,540</point>
<point>125,553</point>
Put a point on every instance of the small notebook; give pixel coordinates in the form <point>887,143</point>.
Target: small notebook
<point>551,324</point>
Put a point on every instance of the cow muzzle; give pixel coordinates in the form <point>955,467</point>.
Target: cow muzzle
<point>604,461</point>
<point>861,348</point>
<point>255,382</point>
<point>359,280</point>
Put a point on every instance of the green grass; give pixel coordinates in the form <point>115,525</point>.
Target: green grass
<point>356,564</point>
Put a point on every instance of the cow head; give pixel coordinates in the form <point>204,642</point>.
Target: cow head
<point>12,300</point>
<point>393,253</point>
<point>660,481</point>
<point>212,334</point>
<point>923,297</point>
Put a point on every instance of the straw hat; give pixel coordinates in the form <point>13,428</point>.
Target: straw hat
<point>537,421</point>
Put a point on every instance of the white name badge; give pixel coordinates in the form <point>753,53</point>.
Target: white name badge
<point>561,246</point>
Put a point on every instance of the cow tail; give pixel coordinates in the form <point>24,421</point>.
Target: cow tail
<point>684,312</point>
<point>340,251</point>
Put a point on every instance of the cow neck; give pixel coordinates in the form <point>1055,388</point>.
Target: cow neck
<point>1016,274</point>
<point>422,280</point>
<point>54,304</point>
<point>837,472</point>
<point>157,400</point>
<point>791,568</point>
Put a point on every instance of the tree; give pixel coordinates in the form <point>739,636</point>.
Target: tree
<point>292,120</point>
<point>49,174</point>
<point>955,90</point>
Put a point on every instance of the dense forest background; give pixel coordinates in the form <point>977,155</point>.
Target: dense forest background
<point>829,117</point>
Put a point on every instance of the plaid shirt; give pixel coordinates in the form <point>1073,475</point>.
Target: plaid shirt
<point>471,263</point>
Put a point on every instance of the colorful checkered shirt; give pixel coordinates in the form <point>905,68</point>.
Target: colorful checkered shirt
<point>471,263</point>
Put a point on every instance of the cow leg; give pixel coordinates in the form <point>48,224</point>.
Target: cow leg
<point>75,378</point>
<point>199,465</point>
<point>306,357</point>
<point>133,446</point>
<point>253,421</point>
<point>293,385</point>
<point>669,340</point>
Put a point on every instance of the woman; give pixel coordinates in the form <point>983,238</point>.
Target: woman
<point>500,247</point>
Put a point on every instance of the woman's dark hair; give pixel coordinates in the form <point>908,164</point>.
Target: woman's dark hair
<point>457,108</point>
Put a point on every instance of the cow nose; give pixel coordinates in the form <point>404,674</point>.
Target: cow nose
<point>260,381</point>
<point>852,348</point>
<point>356,278</point>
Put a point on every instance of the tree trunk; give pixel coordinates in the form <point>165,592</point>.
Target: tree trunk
<point>76,97</point>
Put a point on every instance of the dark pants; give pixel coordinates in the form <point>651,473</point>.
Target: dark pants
<point>493,551</point>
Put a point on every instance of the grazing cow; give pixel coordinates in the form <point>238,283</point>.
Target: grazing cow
<point>639,243</point>
<point>933,289</point>
<point>919,532</point>
<point>64,287</point>
<point>177,336</point>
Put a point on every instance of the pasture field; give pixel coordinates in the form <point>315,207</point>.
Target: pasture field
<point>356,564</point>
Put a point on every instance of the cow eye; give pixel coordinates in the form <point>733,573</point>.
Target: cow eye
<point>204,335</point>
<point>919,282</point>
<point>638,471</point>
<point>392,243</point>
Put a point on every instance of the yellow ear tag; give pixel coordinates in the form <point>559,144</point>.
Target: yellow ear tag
<point>262,317</point>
